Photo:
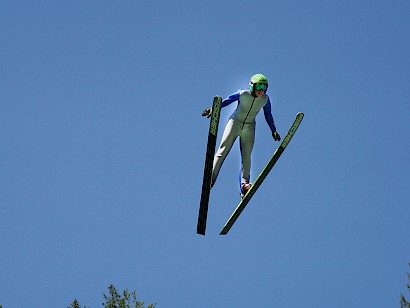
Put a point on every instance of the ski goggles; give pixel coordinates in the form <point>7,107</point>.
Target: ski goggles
<point>261,87</point>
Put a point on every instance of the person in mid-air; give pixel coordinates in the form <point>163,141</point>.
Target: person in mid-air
<point>242,123</point>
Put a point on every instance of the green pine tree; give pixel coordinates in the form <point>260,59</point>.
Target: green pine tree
<point>116,300</point>
<point>75,304</point>
<point>127,300</point>
<point>403,302</point>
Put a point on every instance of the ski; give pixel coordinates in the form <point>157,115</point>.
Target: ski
<point>263,174</point>
<point>209,159</point>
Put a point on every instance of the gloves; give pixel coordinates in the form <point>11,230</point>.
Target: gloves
<point>276,136</point>
<point>207,112</point>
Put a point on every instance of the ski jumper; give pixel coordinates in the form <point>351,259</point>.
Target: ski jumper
<point>242,123</point>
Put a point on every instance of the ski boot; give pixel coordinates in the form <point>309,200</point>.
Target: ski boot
<point>245,188</point>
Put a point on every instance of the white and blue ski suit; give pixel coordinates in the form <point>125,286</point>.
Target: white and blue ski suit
<point>242,123</point>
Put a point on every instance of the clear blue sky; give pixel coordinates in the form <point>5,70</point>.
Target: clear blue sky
<point>103,145</point>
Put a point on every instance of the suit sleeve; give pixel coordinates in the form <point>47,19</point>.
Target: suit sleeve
<point>267,110</point>
<point>230,99</point>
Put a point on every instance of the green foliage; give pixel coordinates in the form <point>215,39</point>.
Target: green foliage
<point>116,300</point>
<point>403,302</point>
<point>127,300</point>
<point>75,304</point>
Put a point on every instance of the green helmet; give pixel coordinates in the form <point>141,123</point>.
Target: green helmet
<point>258,78</point>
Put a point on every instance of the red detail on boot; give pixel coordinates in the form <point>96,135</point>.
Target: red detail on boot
<point>246,187</point>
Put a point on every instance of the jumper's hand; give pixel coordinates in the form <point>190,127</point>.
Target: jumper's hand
<point>276,136</point>
<point>207,112</point>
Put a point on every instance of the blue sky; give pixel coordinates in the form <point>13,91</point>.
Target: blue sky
<point>103,148</point>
